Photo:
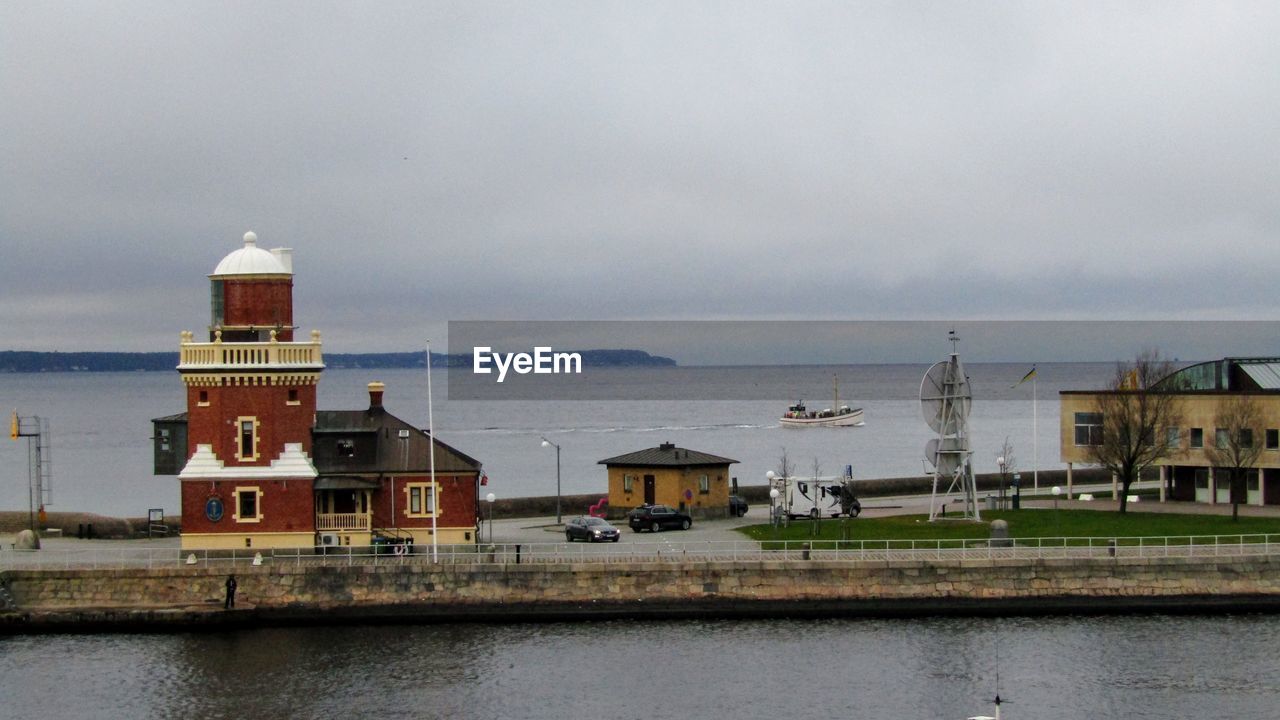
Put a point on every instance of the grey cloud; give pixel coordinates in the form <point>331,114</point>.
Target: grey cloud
<point>685,160</point>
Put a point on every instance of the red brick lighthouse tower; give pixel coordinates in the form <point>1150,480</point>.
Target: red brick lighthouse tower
<point>251,403</point>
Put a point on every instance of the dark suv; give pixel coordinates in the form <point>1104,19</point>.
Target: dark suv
<point>737,506</point>
<point>657,517</point>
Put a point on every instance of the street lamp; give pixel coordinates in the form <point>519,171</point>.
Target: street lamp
<point>489,499</point>
<point>548,443</point>
<point>773,500</point>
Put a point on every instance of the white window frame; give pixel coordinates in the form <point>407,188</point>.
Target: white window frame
<point>1091,426</point>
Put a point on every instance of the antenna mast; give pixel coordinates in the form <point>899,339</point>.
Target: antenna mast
<point>945,399</point>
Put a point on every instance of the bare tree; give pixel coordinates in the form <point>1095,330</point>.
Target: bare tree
<point>1135,415</point>
<point>1238,424</point>
<point>785,466</point>
<point>1006,452</point>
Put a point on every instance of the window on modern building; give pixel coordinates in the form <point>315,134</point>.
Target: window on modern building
<point>1173,437</point>
<point>346,448</point>
<point>248,438</point>
<point>422,501</point>
<point>628,482</point>
<point>1273,439</point>
<point>1197,437</point>
<point>704,484</point>
<point>1251,481</point>
<point>1221,438</point>
<point>247,506</point>
<point>1088,428</point>
<point>1246,437</point>
<point>164,440</point>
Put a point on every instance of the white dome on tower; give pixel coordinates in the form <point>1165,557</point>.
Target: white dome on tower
<point>252,260</point>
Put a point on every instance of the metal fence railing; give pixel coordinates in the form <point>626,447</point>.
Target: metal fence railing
<point>850,551</point>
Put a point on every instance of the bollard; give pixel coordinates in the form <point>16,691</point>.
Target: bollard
<point>804,551</point>
<point>80,531</point>
<point>517,554</point>
<point>1111,547</point>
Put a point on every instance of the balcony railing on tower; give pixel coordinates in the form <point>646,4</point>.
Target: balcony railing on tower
<point>218,354</point>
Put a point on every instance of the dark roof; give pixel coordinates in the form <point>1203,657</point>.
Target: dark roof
<point>667,455</point>
<point>389,453</point>
<point>382,449</point>
<point>341,482</point>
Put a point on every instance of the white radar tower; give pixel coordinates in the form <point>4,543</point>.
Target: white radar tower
<point>945,399</point>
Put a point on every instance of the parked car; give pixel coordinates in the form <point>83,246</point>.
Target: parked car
<point>657,517</point>
<point>737,506</point>
<point>591,529</point>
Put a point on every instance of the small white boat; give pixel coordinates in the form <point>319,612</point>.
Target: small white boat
<point>988,717</point>
<point>842,416</point>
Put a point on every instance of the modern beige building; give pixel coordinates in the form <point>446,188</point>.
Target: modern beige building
<point>1186,473</point>
<point>696,482</point>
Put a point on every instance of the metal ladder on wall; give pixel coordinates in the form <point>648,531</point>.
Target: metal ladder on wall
<point>6,598</point>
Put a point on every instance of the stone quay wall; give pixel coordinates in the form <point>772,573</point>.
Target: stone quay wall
<point>415,590</point>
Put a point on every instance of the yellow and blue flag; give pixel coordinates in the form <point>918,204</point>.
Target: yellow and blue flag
<point>1030,374</point>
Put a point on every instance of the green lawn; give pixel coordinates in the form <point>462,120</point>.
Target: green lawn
<point>1023,524</point>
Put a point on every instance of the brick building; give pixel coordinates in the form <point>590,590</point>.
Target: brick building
<point>260,467</point>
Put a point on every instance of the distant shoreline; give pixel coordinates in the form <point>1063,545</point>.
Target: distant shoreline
<point>26,361</point>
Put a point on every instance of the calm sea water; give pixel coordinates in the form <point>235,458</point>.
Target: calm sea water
<point>101,426</point>
<point>1157,667</point>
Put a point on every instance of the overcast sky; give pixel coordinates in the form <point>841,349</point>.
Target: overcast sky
<point>434,161</point>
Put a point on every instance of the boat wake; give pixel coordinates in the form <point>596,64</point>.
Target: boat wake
<point>601,430</point>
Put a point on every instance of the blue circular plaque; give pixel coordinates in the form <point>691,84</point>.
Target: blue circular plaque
<point>213,509</point>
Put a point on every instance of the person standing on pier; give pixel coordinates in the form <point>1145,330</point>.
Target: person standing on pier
<point>231,593</point>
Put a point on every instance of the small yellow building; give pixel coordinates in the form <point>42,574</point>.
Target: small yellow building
<point>696,482</point>
<point>1186,473</point>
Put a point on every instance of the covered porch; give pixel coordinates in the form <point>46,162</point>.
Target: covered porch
<point>344,504</point>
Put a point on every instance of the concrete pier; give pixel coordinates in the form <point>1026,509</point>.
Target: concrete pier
<point>181,598</point>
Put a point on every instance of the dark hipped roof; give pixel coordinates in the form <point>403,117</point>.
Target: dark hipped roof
<point>667,455</point>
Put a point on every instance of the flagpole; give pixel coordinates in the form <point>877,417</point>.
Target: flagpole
<point>435,489</point>
<point>1035,436</point>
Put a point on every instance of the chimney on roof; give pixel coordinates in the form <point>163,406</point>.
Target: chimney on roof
<point>285,256</point>
<point>375,395</point>
<point>667,446</point>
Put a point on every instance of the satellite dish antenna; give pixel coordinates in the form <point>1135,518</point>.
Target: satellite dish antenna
<point>945,396</point>
<point>945,401</point>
